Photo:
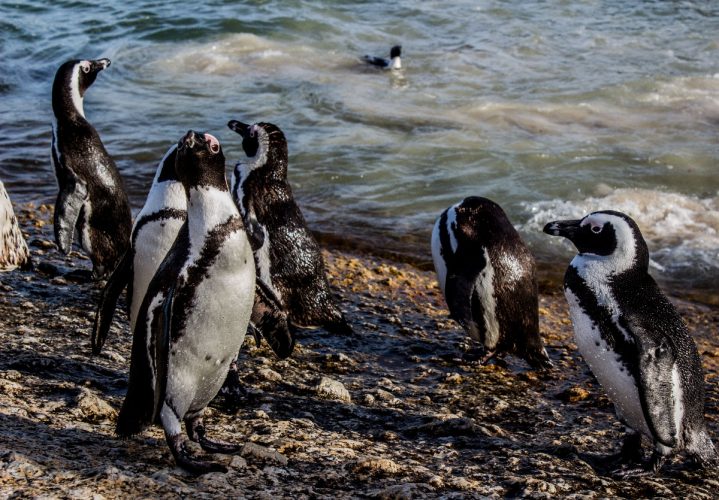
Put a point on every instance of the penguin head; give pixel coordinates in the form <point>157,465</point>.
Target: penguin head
<point>200,161</point>
<point>606,235</point>
<point>264,144</point>
<point>395,51</point>
<point>72,79</point>
<point>478,219</point>
<point>166,168</point>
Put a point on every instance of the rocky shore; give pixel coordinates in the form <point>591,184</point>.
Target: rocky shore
<point>394,411</point>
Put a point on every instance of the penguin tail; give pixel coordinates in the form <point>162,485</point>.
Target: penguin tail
<point>108,302</point>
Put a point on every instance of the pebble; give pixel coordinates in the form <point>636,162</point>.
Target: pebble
<point>332,389</point>
<point>92,408</point>
<point>377,465</point>
<point>269,374</point>
<point>255,450</point>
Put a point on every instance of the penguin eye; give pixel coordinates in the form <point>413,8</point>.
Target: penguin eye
<point>85,66</point>
<point>215,148</point>
<point>596,229</point>
<point>252,132</point>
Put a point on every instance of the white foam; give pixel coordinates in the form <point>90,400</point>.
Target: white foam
<point>680,230</point>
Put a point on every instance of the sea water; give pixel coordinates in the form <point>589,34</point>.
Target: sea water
<point>552,109</point>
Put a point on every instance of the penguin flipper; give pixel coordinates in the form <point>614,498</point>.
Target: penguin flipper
<point>459,292</point>
<point>656,366</point>
<point>375,61</point>
<point>161,330</point>
<point>108,301</point>
<point>70,201</point>
<point>270,318</point>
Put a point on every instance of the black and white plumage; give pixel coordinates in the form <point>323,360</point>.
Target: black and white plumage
<point>394,61</point>
<point>288,257</point>
<point>195,313</point>
<point>488,278</point>
<point>91,198</point>
<point>155,230</point>
<point>633,338</point>
<point>13,248</point>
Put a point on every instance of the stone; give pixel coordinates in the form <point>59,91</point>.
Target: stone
<point>332,389</point>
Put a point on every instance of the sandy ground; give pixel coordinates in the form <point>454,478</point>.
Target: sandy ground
<point>394,411</point>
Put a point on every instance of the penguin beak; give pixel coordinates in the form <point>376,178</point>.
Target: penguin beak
<point>189,140</point>
<point>566,228</point>
<point>101,64</point>
<point>241,128</point>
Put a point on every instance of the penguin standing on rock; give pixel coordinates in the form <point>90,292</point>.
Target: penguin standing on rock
<point>633,338</point>
<point>288,257</point>
<point>488,278</point>
<point>195,313</point>
<point>13,248</point>
<point>154,232</point>
<point>91,196</point>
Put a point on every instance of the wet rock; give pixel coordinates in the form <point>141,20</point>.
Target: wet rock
<point>332,389</point>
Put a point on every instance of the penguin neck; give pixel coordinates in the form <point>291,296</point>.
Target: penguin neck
<point>165,194</point>
<point>395,63</point>
<point>208,206</point>
<point>67,101</point>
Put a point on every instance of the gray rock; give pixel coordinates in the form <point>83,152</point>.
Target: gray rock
<point>332,389</point>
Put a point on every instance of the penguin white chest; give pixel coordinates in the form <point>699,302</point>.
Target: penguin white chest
<point>215,327</point>
<point>621,387</point>
<point>151,245</point>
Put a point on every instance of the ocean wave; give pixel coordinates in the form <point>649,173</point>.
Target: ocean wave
<point>682,231</point>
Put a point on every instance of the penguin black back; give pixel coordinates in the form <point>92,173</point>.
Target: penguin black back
<point>91,197</point>
<point>288,257</point>
<point>488,277</point>
<point>633,338</point>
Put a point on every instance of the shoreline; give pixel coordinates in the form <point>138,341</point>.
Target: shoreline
<point>409,416</point>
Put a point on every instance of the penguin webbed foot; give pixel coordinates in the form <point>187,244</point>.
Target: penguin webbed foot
<point>183,458</point>
<point>196,431</point>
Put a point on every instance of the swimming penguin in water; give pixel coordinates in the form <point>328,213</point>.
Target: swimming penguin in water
<point>394,61</point>
<point>195,313</point>
<point>155,230</point>
<point>287,255</point>
<point>91,196</point>
<point>13,248</point>
<point>633,338</point>
<point>488,278</point>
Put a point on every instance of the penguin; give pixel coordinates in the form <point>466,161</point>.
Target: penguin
<point>13,247</point>
<point>633,339</point>
<point>91,197</point>
<point>155,230</point>
<point>488,278</point>
<point>394,61</point>
<point>287,255</point>
<point>195,313</point>
<point>153,233</point>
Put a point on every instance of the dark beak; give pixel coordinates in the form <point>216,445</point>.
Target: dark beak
<point>101,64</point>
<point>189,140</point>
<point>566,228</point>
<point>239,127</point>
